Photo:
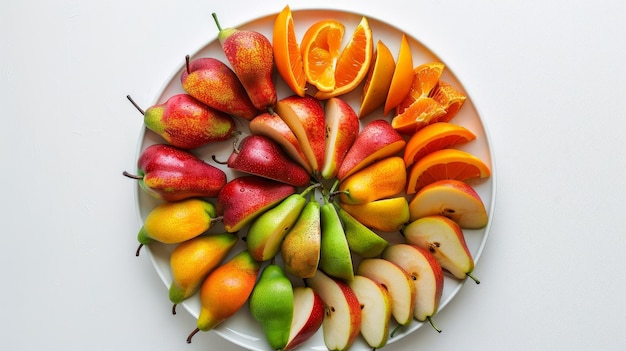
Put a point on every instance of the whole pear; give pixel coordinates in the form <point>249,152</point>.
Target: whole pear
<point>175,222</point>
<point>382,179</point>
<point>251,56</point>
<point>245,198</point>
<point>225,290</point>
<point>272,305</point>
<point>192,260</point>
<point>187,123</point>
<point>335,258</point>
<point>215,84</point>
<point>300,248</point>
<point>261,156</point>
<point>171,174</point>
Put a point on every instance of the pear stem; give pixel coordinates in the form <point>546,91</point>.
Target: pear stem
<point>133,176</point>
<point>218,161</point>
<point>217,23</point>
<point>174,309</point>
<point>309,188</point>
<point>194,332</point>
<point>135,104</point>
<point>393,332</point>
<point>469,274</point>
<point>187,63</point>
<point>430,320</point>
<point>138,249</point>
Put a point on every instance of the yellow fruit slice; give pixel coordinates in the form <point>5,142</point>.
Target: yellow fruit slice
<point>353,62</point>
<point>402,77</point>
<point>320,48</point>
<point>436,136</point>
<point>445,164</point>
<point>287,54</point>
<point>378,80</point>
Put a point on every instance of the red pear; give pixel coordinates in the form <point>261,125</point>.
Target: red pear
<point>212,82</point>
<point>261,156</point>
<point>245,198</point>
<point>171,174</point>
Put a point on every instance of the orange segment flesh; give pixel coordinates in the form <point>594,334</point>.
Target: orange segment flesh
<point>435,137</point>
<point>417,115</point>
<point>320,48</point>
<point>287,54</point>
<point>402,77</point>
<point>445,164</point>
<point>450,98</point>
<point>378,80</point>
<point>353,62</point>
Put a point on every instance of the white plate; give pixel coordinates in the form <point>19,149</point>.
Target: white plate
<point>241,329</point>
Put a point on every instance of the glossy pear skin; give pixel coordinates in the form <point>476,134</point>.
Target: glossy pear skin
<point>305,117</point>
<point>342,128</point>
<point>192,260</point>
<point>225,290</point>
<point>260,155</point>
<point>251,57</point>
<point>386,215</point>
<point>272,305</point>
<point>267,232</point>
<point>300,248</point>
<point>377,140</point>
<point>308,316</point>
<point>244,198</point>
<point>175,222</point>
<point>383,179</point>
<point>273,127</point>
<point>215,84</point>
<point>362,241</point>
<point>187,123</point>
<point>171,174</point>
<point>335,258</point>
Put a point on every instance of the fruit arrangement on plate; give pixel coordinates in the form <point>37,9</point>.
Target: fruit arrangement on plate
<point>310,211</point>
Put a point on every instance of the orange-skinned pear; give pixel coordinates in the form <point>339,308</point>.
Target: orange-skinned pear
<point>386,215</point>
<point>383,179</point>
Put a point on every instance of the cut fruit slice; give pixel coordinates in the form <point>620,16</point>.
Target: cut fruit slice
<point>287,54</point>
<point>436,136</point>
<point>402,77</point>
<point>445,164</point>
<point>421,112</point>
<point>353,62</point>
<point>425,78</point>
<point>450,98</point>
<point>378,80</point>
<point>320,48</point>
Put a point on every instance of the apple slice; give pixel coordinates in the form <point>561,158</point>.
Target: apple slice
<point>342,128</point>
<point>427,276</point>
<point>451,198</point>
<point>273,127</point>
<point>308,316</point>
<point>444,239</point>
<point>305,117</point>
<point>397,281</point>
<point>375,310</point>
<point>342,322</point>
<point>376,141</point>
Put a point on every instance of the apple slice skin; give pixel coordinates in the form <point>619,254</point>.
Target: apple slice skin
<point>426,272</point>
<point>451,198</point>
<point>306,300</point>
<point>342,302</point>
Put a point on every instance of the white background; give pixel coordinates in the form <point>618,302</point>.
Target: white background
<point>549,79</point>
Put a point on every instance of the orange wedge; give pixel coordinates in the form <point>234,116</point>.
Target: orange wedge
<point>353,62</point>
<point>435,137</point>
<point>425,79</point>
<point>402,77</point>
<point>417,115</point>
<point>287,54</point>
<point>445,164</point>
<point>378,80</point>
<point>320,48</point>
<point>450,98</point>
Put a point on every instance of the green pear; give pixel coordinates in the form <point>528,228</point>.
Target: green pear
<point>272,305</point>
<point>192,260</point>
<point>335,258</point>
<point>362,240</point>
<point>300,249</point>
<point>267,232</point>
